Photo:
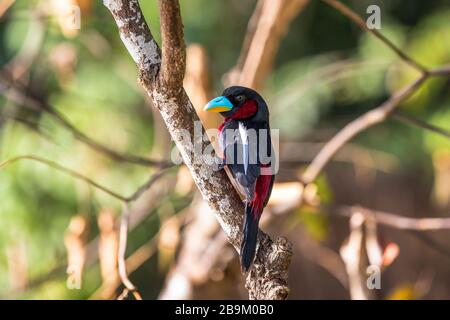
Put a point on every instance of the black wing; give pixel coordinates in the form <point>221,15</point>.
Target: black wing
<point>237,158</point>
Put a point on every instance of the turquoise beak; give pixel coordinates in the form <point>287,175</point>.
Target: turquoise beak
<point>219,104</point>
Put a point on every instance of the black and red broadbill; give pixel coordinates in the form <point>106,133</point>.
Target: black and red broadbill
<point>246,148</point>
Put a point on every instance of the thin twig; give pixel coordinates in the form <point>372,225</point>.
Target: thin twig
<point>399,222</point>
<point>429,241</point>
<point>70,172</point>
<point>146,186</point>
<point>133,262</point>
<point>403,117</point>
<point>88,180</point>
<point>142,209</point>
<point>33,126</point>
<point>323,256</point>
<point>123,236</point>
<point>355,127</point>
<point>352,15</point>
<point>415,226</point>
<point>16,94</point>
<point>129,158</point>
<point>441,71</point>
<point>376,115</point>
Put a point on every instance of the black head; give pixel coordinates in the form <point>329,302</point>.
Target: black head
<point>240,103</point>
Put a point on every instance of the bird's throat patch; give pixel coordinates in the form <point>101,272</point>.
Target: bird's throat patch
<point>248,109</point>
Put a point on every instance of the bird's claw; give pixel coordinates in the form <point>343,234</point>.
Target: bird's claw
<point>220,164</point>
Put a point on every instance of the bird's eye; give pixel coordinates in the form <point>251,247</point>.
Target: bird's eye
<point>240,98</point>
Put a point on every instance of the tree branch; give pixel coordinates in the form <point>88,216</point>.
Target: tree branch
<point>406,118</point>
<point>416,226</point>
<point>88,180</point>
<point>266,28</point>
<point>135,35</point>
<point>376,115</point>
<point>265,31</point>
<point>353,16</point>
<point>18,95</point>
<point>61,168</point>
<point>397,221</point>
<point>173,64</point>
<point>351,254</point>
<point>142,209</point>
<point>121,257</point>
<point>355,127</point>
<point>268,277</point>
<point>441,71</point>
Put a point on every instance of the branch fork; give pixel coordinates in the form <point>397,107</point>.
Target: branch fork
<point>161,75</point>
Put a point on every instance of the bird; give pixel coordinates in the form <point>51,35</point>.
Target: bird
<point>246,149</point>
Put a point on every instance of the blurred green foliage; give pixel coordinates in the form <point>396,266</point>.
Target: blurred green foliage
<point>326,73</point>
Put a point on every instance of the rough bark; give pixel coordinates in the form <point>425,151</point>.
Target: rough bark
<point>163,83</point>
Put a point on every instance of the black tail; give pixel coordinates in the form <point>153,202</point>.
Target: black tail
<point>248,244</point>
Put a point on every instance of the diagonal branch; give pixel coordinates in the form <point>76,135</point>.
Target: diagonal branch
<point>378,114</point>
<point>18,95</point>
<point>266,28</point>
<point>68,171</point>
<point>409,119</point>
<point>355,127</point>
<point>5,5</point>
<point>268,277</point>
<point>75,174</point>
<point>353,16</point>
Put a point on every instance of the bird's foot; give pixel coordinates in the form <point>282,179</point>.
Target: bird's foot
<point>219,164</point>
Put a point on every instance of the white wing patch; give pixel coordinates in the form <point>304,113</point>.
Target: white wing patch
<point>244,139</point>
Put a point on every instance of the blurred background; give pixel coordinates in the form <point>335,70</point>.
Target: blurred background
<point>70,95</point>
